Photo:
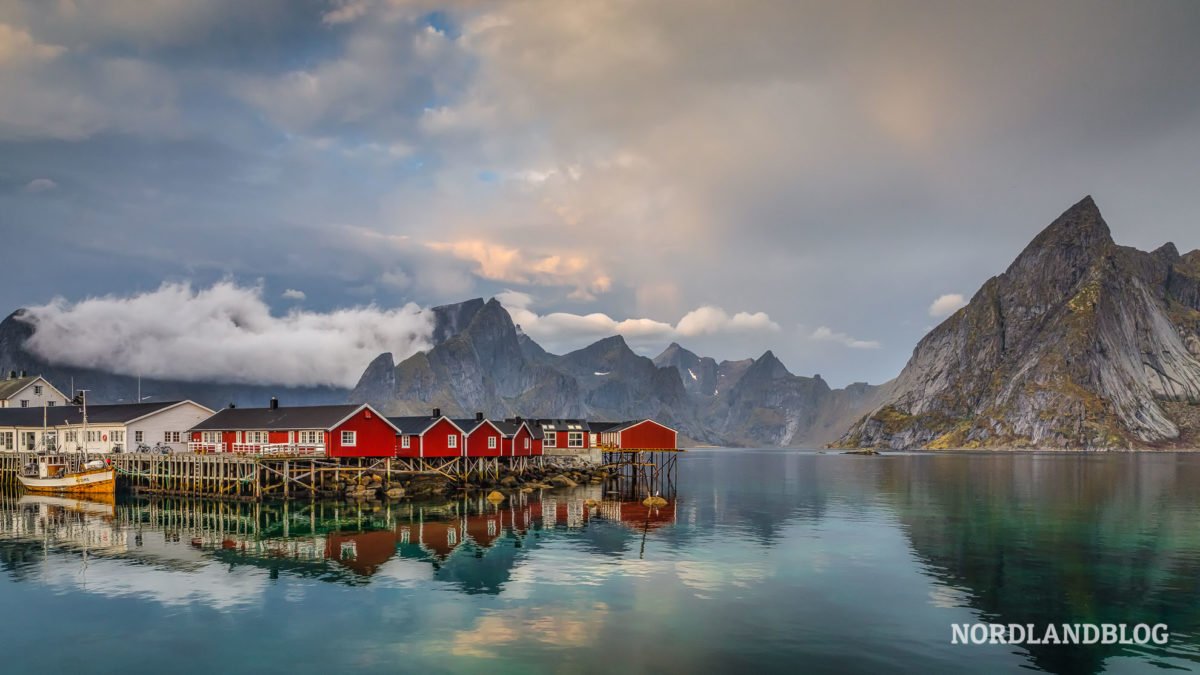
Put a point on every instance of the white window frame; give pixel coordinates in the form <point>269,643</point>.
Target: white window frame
<point>37,390</point>
<point>29,440</point>
<point>24,403</point>
<point>6,440</point>
<point>452,441</point>
<point>310,437</point>
<point>51,404</point>
<point>171,437</point>
<point>139,437</point>
<point>575,439</point>
<point>550,440</point>
<point>210,437</point>
<point>491,442</point>
<point>526,442</point>
<point>349,439</point>
<point>118,436</point>
<point>405,441</point>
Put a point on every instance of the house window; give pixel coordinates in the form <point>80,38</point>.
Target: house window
<point>256,437</point>
<point>118,437</point>
<point>575,439</point>
<point>6,440</point>
<point>138,437</point>
<point>491,442</point>
<point>310,437</point>
<point>405,441</point>
<point>24,403</point>
<point>550,441</point>
<point>170,436</point>
<point>452,441</point>
<point>29,440</point>
<point>51,404</point>
<point>526,443</point>
<point>37,390</point>
<point>211,437</point>
<point>93,436</point>
<point>349,438</point>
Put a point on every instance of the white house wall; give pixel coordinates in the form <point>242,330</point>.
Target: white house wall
<point>49,394</point>
<point>153,428</point>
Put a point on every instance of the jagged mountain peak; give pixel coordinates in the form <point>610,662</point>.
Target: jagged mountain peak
<point>1074,240</point>
<point>768,365</point>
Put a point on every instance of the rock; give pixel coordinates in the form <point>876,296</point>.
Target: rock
<point>591,503</point>
<point>495,496</point>
<point>654,501</point>
<point>562,481</point>
<point>526,490</point>
<point>509,481</point>
<point>395,493</point>
<point>1079,344</point>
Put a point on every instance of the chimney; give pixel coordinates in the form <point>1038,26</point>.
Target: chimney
<point>12,374</point>
<point>24,374</point>
<point>232,405</point>
<point>274,403</point>
<point>478,417</point>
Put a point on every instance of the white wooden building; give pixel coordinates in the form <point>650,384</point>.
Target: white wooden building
<point>110,428</point>
<point>18,390</point>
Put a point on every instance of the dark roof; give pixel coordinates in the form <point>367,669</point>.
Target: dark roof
<point>537,432</point>
<point>467,425</point>
<point>283,418</point>
<point>601,427</point>
<point>72,414</point>
<point>561,425</point>
<point>507,427</point>
<point>413,426</point>
<point>10,386</point>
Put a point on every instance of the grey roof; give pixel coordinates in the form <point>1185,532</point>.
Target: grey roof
<point>413,426</point>
<point>10,386</point>
<point>467,425</point>
<point>507,427</point>
<point>283,418</point>
<point>72,414</point>
<point>561,425</point>
<point>622,426</point>
<point>601,427</point>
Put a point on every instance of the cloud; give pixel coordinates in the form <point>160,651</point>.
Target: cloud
<point>827,334</point>
<point>508,264</point>
<point>224,333</point>
<point>293,294</point>
<point>557,330</point>
<point>40,185</point>
<point>947,304</point>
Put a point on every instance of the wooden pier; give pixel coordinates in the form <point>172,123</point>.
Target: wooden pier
<point>645,472</point>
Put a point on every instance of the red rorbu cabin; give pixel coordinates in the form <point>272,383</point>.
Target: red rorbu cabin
<point>518,438</point>
<point>564,434</point>
<point>432,436</point>
<point>639,435</point>
<point>484,438</point>
<point>330,430</point>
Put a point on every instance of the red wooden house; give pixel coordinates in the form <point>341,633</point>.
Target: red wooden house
<point>484,438</point>
<point>640,435</point>
<point>432,436</point>
<point>518,438</point>
<point>331,430</point>
<point>564,434</point>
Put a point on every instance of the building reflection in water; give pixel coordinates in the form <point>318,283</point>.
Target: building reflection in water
<point>471,543</point>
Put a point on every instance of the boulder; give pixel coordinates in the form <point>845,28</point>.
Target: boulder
<point>495,496</point>
<point>562,481</point>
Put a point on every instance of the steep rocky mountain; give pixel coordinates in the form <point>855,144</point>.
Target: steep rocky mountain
<point>491,366</point>
<point>1080,343</point>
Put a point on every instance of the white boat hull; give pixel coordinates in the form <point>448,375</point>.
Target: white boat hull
<point>103,480</point>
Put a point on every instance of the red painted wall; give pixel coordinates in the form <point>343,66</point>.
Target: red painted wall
<point>477,442</point>
<point>517,443</point>
<point>434,443</point>
<point>374,437</point>
<point>537,447</point>
<point>648,435</point>
<point>413,449</point>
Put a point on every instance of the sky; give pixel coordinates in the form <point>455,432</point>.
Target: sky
<point>828,180</point>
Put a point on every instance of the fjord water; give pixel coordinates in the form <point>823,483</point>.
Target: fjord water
<point>765,560</point>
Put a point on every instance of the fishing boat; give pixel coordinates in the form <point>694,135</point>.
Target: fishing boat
<point>52,474</point>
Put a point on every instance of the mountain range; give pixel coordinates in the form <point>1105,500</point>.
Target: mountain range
<point>488,364</point>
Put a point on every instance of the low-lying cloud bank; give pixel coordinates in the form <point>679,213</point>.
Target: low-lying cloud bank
<point>225,333</point>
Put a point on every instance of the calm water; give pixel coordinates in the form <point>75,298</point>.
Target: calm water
<point>773,561</point>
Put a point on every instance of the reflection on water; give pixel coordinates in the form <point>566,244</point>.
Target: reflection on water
<point>766,560</point>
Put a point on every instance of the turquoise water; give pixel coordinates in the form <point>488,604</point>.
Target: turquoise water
<point>768,561</point>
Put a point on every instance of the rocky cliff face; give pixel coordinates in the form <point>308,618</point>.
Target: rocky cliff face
<point>1080,343</point>
<point>491,366</point>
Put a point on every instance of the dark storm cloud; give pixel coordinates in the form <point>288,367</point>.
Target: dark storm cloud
<point>836,166</point>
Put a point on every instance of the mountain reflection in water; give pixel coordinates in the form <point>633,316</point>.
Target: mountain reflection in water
<point>766,560</point>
